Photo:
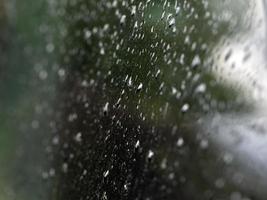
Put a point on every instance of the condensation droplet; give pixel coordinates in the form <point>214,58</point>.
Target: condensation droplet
<point>204,144</point>
<point>150,154</point>
<point>196,61</point>
<point>123,19</point>
<point>171,22</point>
<point>185,108</point>
<point>78,137</point>
<point>140,86</point>
<point>65,167</point>
<point>105,109</point>
<point>201,88</point>
<point>180,142</point>
<point>133,11</point>
<point>137,144</point>
<point>106,173</point>
<point>228,158</point>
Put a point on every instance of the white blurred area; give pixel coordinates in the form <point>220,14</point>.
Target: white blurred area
<point>240,62</point>
<point>240,59</point>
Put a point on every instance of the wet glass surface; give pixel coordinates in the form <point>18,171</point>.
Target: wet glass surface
<point>133,99</point>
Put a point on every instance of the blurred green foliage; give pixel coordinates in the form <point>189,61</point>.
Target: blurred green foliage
<point>21,150</point>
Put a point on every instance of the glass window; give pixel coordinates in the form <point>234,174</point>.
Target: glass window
<point>133,99</point>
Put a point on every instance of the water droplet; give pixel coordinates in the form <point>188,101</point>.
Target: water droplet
<point>136,25</point>
<point>130,82</point>
<point>106,173</point>
<point>84,172</point>
<point>104,197</point>
<point>201,88</point>
<point>180,142</point>
<point>35,124</point>
<point>196,61</point>
<point>123,19</point>
<point>235,196</point>
<point>171,22</point>
<point>174,90</point>
<point>87,34</point>
<point>228,158</point>
<point>137,144</point>
<point>55,140</point>
<point>43,74</point>
<point>140,86</point>
<point>61,72</point>
<point>102,51</point>
<point>50,47</point>
<point>219,183</point>
<point>163,164</point>
<point>65,167</point>
<point>52,172</point>
<point>105,109</point>
<point>150,154</point>
<point>157,74</point>
<point>177,10</point>
<point>78,137</point>
<point>133,11</point>
<point>204,144</point>
<point>185,108</point>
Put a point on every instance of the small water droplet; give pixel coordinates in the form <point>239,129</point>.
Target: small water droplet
<point>196,61</point>
<point>171,22</point>
<point>177,10</point>
<point>174,90</point>
<point>201,88</point>
<point>133,11</point>
<point>150,154</point>
<point>204,144</point>
<point>185,108</point>
<point>228,158</point>
<point>140,86</point>
<point>180,142</point>
<point>78,137</point>
<point>87,34</point>
<point>105,109</point>
<point>104,197</point>
<point>130,82</point>
<point>43,74</point>
<point>163,164</point>
<point>123,19</point>
<point>55,140</point>
<point>219,183</point>
<point>157,73</point>
<point>137,144</point>
<point>50,47</point>
<point>102,51</point>
<point>65,167</point>
<point>106,173</point>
